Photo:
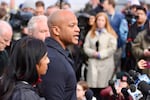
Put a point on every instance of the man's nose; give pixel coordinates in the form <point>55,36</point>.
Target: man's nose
<point>8,43</point>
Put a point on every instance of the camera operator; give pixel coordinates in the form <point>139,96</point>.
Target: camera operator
<point>141,24</point>
<point>20,18</point>
<point>130,14</point>
<point>28,6</point>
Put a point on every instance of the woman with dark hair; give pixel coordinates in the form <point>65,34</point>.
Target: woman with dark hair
<point>28,61</point>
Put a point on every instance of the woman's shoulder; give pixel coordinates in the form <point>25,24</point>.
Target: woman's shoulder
<point>24,91</point>
<point>108,33</point>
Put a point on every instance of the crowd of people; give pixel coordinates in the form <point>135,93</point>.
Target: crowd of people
<point>52,54</point>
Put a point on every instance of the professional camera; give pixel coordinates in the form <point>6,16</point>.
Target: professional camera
<point>130,17</point>
<point>19,19</point>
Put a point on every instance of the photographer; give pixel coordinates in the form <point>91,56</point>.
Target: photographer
<point>140,49</point>
<point>141,24</point>
<point>20,18</point>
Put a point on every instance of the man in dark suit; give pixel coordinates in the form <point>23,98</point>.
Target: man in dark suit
<point>60,81</point>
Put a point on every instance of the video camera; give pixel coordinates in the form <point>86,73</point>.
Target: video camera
<point>19,19</point>
<point>130,17</point>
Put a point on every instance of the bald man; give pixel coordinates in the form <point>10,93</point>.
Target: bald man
<point>5,38</point>
<point>60,81</point>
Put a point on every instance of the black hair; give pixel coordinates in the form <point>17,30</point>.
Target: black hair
<point>141,8</point>
<point>27,52</point>
<point>39,4</point>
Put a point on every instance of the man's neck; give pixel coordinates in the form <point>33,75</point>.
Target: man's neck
<point>111,11</point>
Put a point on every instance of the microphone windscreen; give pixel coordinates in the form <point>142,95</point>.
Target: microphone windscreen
<point>144,87</point>
<point>125,92</point>
<point>134,74</point>
<point>132,88</point>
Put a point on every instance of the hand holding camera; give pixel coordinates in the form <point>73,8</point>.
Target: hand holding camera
<point>142,64</point>
<point>148,64</point>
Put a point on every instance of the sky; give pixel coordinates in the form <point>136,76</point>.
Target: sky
<point>76,4</point>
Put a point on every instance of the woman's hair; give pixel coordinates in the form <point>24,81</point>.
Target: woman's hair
<point>84,85</point>
<point>107,25</point>
<point>26,54</point>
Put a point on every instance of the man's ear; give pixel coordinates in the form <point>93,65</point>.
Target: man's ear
<point>56,30</point>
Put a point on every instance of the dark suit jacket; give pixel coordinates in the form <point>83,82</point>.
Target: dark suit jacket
<point>59,83</point>
<point>3,60</point>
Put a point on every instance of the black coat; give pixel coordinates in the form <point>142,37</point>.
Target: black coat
<point>24,91</point>
<point>134,30</point>
<point>59,83</point>
<point>3,60</point>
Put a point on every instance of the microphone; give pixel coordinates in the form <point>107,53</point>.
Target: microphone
<point>134,92</point>
<point>130,80</point>
<point>139,85</point>
<point>97,45</point>
<point>138,77</point>
<point>125,93</point>
<point>111,83</point>
<point>134,74</point>
<point>144,87</point>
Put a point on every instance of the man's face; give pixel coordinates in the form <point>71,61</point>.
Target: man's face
<point>106,5</point>
<point>31,10</point>
<point>49,11</point>
<point>5,39</point>
<point>141,16</point>
<point>41,31</point>
<point>4,5</point>
<point>69,30</point>
<point>80,92</point>
<point>39,11</point>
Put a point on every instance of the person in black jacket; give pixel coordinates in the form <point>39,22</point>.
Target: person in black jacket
<point>28,61</point>
<point>141,24</point>
<point>59,83</point>
<point>5,38</point>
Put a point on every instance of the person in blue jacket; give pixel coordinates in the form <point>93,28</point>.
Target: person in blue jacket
<point>60,81</point>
